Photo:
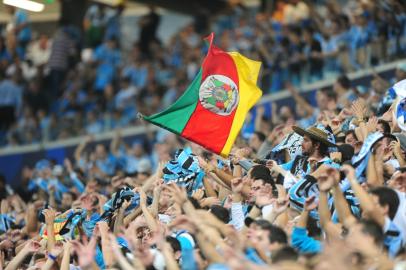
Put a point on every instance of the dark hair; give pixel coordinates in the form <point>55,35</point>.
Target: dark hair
<point>312,227</point>
<point>175,244</point>
<point>277,235</point>
<point>344,81</point>
<point>261,172</point>
<point>261,136</point>
<point>323,148</point>
<point>329,93</point>
<point>352,132</point>
<point>385,126</point>
<point>389,197</point>
<point>373,229</point>
<point>347,152</point>
<point>221,213</point>
<point>286,253</point>
<point>72,194</point>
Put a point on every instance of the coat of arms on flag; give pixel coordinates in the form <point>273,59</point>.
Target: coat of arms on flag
<point>212,110</point>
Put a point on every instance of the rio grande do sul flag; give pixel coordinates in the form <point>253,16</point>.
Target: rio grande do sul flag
<point>213,108</point>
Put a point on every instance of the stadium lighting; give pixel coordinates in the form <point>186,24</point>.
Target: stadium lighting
<point>25,4</point>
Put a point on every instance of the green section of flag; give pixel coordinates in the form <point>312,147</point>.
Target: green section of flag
<point>177,115</point>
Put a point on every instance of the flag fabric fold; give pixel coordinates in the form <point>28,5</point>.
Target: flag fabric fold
<point>212,110</point>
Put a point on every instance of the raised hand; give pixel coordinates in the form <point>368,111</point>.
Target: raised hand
<point>198,194</point>
<point>68,165</point>
<point>349,171</point>
<point>280,205</point>
<point>206,166</point>
<point>177,194</point>
<point>49,216</point>
<point>184,222</point>
<point>159,170</point>
<point>32,246</point>
<point>209,201</point>
<point>325,182</point>
<point>372,124</point>
<point>396,148</point>
<point>237,185</point>
<point>143,196</point>
<point>103,227</point>
<point>264,196</point>
<point>359,109</point>
<point>5,206</point>
<point>125,204</point>
<point>6,244</point>
<point>85,252</point>
<point>57,249</point>
<point>310,204</point>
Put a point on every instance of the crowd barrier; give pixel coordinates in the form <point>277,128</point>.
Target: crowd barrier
<point>13,160</point>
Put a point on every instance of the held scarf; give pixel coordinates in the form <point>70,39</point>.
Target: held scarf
<point>184,170</point>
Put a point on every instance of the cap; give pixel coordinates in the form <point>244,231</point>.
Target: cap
<point>42,164</point>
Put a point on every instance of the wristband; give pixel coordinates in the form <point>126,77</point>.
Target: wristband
<point>52,257</point>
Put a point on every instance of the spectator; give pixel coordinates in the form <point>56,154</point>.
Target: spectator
<point>20,26</point>
<point>148,33</point>
<point>313,55</point>
<point>11,94</point>
<point>63,49</point>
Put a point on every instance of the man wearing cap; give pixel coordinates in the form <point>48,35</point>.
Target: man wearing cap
<point>314,152</point>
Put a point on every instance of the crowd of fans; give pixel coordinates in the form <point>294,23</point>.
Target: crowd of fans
<point>318,187</point>
<point>80,82</point>
<point>327,191</point>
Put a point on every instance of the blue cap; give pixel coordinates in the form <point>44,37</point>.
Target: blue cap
<point>42,164</point>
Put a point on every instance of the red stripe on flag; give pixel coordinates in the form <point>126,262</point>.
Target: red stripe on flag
<point>205,127</point>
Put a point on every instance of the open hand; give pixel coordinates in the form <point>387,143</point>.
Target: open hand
<point>237,185</point>
<point>310,203</point>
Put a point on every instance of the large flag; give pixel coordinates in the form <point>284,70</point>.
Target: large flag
<point>213,108</point>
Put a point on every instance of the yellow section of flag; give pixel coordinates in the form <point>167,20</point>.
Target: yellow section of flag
<point>248,71</point>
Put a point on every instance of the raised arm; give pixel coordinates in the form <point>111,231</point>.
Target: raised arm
<point>105,244</point>
<point>49,221</point>
<point>341,205</point>
<point>29,248</point>
<point>152,223</point>
<point>299,99</point>
<point>81,147</point>
<point>325,183</point>
<point>119,222</point>
<point>210,168</point>
<point>115,143</point>
<point>367,204</point>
